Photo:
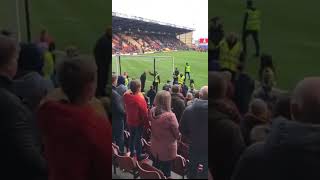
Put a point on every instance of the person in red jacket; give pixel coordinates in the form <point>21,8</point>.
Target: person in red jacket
<point>76,138</point>
<point>137,117</point>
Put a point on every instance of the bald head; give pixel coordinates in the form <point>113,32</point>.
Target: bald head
<point>305,104</point>
<point>204,93</point>
<point>218,85</point>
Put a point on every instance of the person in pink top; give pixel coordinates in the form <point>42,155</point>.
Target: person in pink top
<point>165,133</point>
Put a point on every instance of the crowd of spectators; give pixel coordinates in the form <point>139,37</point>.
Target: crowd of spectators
<point>130,42</point>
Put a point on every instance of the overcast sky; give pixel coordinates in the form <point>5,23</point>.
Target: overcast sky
<point>189,13</point>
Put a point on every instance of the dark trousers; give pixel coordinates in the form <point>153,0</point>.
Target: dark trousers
<point>195,160</point>
<point>185,75</point>
<point>255,36</point>
<point>117,135</point>
<point>135,145</point>
<point>143,83</point>
<point>164,166</point>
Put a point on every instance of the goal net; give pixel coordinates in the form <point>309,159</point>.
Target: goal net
<point>135,65</point>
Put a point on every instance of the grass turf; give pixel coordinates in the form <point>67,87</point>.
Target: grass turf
<point>70,22</point>
<point>197,60</point>
<point>290,33</point>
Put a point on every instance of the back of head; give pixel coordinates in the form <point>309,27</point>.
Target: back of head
<point>135,86</point>
<point>189,96</point>
<point>258,107</point>
<point>163,102</point>
<point>218,86</point>
<point>114,79</point>
<point>305,103</point>
<point>74,76</point>
<point>8,52</point>
<point>232,38</point>
<point>121,80</point>
<point>282,107</point>
<point>30,58</point>
<point>203,94</point>
<point>175,88</point>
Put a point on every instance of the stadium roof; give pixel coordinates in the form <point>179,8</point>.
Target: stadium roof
<point>124,22</point>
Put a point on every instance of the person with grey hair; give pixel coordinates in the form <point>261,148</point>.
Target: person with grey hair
<point>291,150</point>
<point>194,126</point>
<point>257,115</point>
<point>164,133</point>
<point>20,149</point>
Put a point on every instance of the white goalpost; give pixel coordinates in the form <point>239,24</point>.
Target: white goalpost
<point>123,61</point>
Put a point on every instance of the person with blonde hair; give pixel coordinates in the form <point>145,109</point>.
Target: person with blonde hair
<point>164,133</point>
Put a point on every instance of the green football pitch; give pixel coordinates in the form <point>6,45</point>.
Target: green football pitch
<point>290,33</point>
<point>70,22</point>
<point>136,65</point>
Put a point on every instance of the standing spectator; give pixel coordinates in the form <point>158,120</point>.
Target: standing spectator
<point>143,78</point>
<point>189,99</point>
<point>29,84</point>
<point>20,149</point>
<point>177,102</point>
<point>194,126</point>
<point>137,113</point>
<point>164,133</point>
<point>184,89</point>
<point>121,87</point>
<point>78,151</point>
<point>244,87</point>
<point>291,150</point>
<point>103,57</point>
<point>118,116</point>
<point>151,94</point>
<point>258,115</point>
<point>225,134</point>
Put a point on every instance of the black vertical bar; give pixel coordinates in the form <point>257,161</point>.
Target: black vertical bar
<point>154,70</point>
<point>120,65</point>
<point>26,2</point>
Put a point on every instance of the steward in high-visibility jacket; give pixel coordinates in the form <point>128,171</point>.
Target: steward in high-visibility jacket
<point>187,70</point>
<point>230,52</point>
<point>251,26</point>
<point>181,79</point>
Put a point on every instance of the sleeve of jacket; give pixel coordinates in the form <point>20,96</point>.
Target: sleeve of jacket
<point>174,126</point>
<point>117,102</point>
<point>185,123</point>
<point>21,136</point>
<point>143,110</point>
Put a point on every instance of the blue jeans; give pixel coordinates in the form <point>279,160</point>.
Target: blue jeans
<point>135,140</point>
<point>117,135</point>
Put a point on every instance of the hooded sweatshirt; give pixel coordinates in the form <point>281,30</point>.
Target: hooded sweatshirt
<point>291,151</point>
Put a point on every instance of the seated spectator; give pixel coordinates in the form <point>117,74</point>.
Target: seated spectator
<point>164,133</point>
<point>77,151</point>
<point>194,126</point>
<point>258,115</point>
<point>137,118</point>
<point>291,150</point>
<point>225,134</point>
<point>20,149</point>
<point>29,84</point>
<point>177,102</point>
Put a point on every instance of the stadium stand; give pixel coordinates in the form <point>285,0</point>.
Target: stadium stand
<point>139,35</point>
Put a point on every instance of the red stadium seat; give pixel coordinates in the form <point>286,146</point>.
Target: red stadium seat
<point>180,166</point>
<point>125,163</point>
<point>147,171</point>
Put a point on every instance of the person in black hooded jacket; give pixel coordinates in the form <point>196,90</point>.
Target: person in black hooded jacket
<point>103,56</point>
<point>292,148</point>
